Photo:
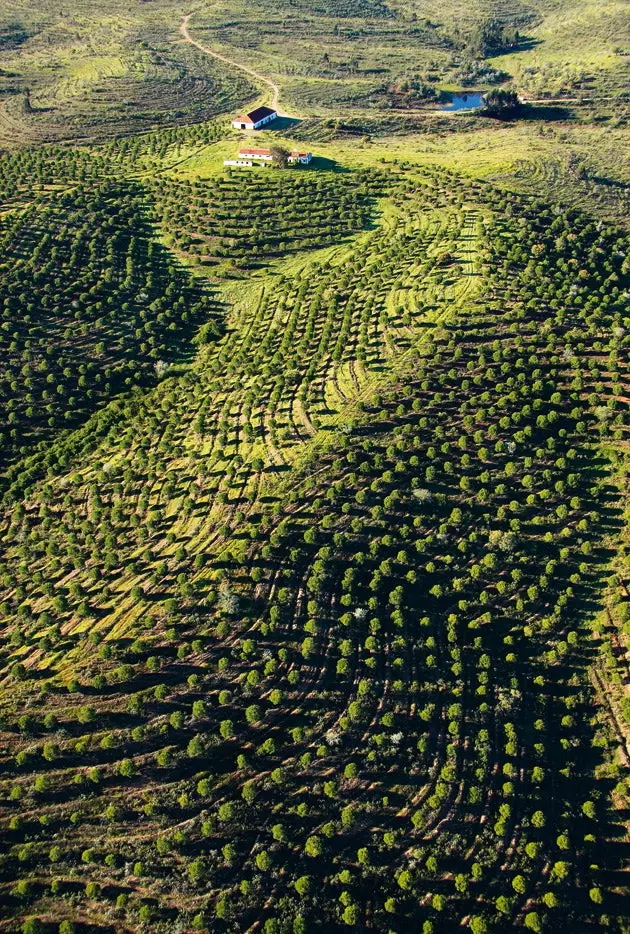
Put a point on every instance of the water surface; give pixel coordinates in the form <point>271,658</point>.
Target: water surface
<point>465,102</point>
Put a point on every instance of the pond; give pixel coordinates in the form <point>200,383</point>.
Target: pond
<point>465,102</point>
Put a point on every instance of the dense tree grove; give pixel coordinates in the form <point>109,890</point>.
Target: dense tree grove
<point>501,103</point>
<point>91,303</point>
<point>246,219</point>
<point>301,635</point>
<point>491,36</point>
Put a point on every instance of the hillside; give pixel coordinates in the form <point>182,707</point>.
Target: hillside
<point>314,480</point>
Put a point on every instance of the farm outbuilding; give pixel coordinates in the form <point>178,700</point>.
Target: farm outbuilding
<point>255,119</point>
<point>258,155</point>
<point>248,157</point>
<point>303,158</point>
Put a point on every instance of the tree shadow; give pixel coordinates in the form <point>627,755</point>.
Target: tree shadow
<point>549,112</point>
<point>283,123</point>
<point>323,164</point>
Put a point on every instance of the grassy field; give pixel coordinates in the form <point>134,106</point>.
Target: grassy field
<point>566,50</point>
<point>575,49</point>
<point>94,74</point>
<point>97,73</point>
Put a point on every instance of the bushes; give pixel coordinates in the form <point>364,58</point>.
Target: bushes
<point>254,216</point>
<point>373,663</point>
<point>83,273</point>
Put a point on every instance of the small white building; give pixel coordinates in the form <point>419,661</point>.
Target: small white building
<point>249,157</point>
<point>255,119</point>
<point>256,155</point>
<point>303,158</point>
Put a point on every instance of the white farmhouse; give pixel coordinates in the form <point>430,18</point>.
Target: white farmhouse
<point>254,120</point>
<point>256,155</point>
<point>249,157</point>
<point>303,158</point>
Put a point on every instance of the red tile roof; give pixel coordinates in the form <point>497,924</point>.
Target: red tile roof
<point>254,152</point>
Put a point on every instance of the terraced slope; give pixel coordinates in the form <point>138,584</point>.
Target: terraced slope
<point>255,217</point>
<point>91,304</point>
<point>300,639</point>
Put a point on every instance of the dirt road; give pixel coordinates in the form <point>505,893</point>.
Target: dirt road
<point>230,61</point>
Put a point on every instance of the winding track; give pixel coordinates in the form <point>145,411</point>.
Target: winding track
<point>275,89</point>
<point>183,28</point>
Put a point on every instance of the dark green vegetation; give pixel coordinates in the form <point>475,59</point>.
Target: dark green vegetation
<point>253,217</point>
<point>11,36</point>
<point>314,553</point>
<point>302,638</point>
<point>492,37</point>
<point>91,303</point>
<point>501,103</point>
<point>345,8</point>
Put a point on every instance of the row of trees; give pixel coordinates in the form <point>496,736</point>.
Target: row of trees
<point>255,216</point>
<point>357,694</point>
<point>90,304</point>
